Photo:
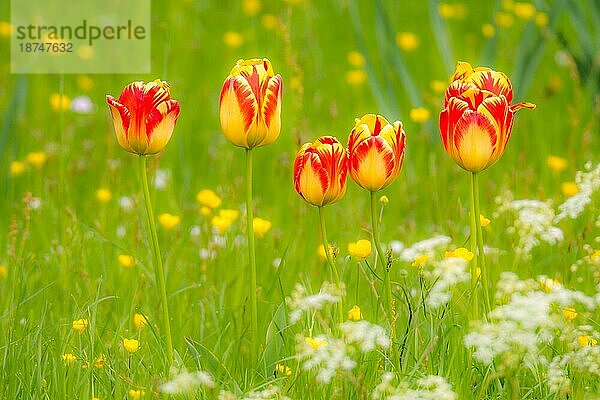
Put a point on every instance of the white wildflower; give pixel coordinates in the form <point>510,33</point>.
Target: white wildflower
<point>126,203</point>
<point>588,182</point>
<point>185,382</point>
<point>301,301</point>
<point>432,387</point>
<point>161,178</point>
<point>324,355</point>
<point>396,246</point>
<point>82,105</point>
<point>195,231</point>
<point>367,335</point>
<point>427,246</point>
<point>446,274</point>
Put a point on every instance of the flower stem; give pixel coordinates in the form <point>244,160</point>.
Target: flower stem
<point>473,239</point>
<point>481,254</point>
<point>331,261</point>
<point>386,280</point>
<point>158,265</point>
<point>251,253</point>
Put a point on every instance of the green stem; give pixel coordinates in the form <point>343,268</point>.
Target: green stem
<point>481,255</point>
<point>473,239</point>
<point>331,261</point>
<point>251,253</point>
<point>158,265</point>
<point>386,280</point>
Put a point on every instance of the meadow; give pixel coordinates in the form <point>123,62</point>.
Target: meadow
<point>81,316</point>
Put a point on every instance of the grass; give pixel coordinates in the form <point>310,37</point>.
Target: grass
<point>62,258</point>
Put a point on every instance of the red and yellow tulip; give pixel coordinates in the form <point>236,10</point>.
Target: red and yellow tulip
<point>144,116</point>
<point>320,171</point>
<point>375,151</point>
<point>250,104</point>
<point>477,118</point>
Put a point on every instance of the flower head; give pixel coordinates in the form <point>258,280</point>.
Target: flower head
<point>461,252</point>
<point>169,221</point>
<point>79,325</point>
<point>126,260</point>
<point>354,314</point>
<point>282,369</point>
<point>320,171</point>
<point>144,116</point>
<point>136,394</point>
<point>17,168</point>
<point>208,198</point>
<point>250,104</point>
<point>131,345</point>
<point>68,358</point>
<point>477,118</point>
<point>37,158</point>
<point>375,151</point>
<point>260,226</point>
<point>139,320</point>
<point>103,195</point>
<point>360,249</point>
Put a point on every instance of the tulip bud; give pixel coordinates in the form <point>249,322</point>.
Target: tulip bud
<point>250,104</point>
<point>477,118</point>
<point>320,171</point>
<point>375,151</point>
<point>144,116</point>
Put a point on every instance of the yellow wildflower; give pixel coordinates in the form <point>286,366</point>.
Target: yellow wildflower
<point>315,343</point>
<point>384,200</point>
<point>569,313</point>
<point>586,340</point>
<point>321,252</point>
<point>595,256</point>
<point>99,361</point>
<point>356,59</point>
<point>360,249</point>
<point>68,358</point>
<point>59,102</point>
<point>3,271</point>
<point>126,260</point>
<point>139,321</point>
<point>419,115</point>
<point>6,29</point>
<point>356,77</point>
<point>270,21</point>
<point>407,41</point>
<point>36,158</point>
<point>483,221</point>
<point>355,314</point>
<point>461,252</point>
<point>220,224</point>
<point>229,214</point>
<point>131,345</point>
<point>569,188</point>
<point>448,11</point>
<point>233,39</point>
<point>85,82</point>
<point>503,19</point>
<point>488,30</point>
<point>136,394</point>
<point>420,260</point>
<point>208,198</point>
<point>251,7</point>
<point>525,11</point>
<point>79,325</point>
<point>205,211</point>
<point>103,195</point>
<point>169,221</point>
<point>438,86</point>
<point>260,226</point>
<point>17,168</point>
<point>557,164</point>
<point>541,19</point>
<point>283,370</point>
<point>549,285</point>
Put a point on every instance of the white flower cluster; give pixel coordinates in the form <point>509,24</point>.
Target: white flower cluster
<point>432,387</point>
<point>326,355</point>
<point>368,336</point>
<point>530,319</point>
<point>272,392</point>
<point>533,223</point>
<point>583,361</point>
<point>301,301</point>
<point>588,182</point>
<point>427,246</point>
<point>446,274</point>
<point>186,382</point>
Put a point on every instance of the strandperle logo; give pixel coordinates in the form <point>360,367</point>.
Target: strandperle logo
<point>50,36</point>
<point>83,32</point>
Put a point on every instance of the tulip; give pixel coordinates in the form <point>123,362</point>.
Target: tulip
<point>475,127</point>
<point>320,171</point>
<point>250,104</point>
<point>375,151</point>
<point>477,118</point>
<point>144,116</point>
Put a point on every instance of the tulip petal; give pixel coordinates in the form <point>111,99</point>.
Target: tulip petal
<point>496,108</point>
<point>474,141</point>
<point>372,163</point>
<point>121,119</point>
<point>271,109</point>
<point>237,110</point>
<point>449,118</point>
<point>493,81</point>
<point>524,104</point>
<point>160,125</point>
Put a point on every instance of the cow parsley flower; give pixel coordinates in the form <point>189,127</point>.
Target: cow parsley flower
<point>326,359</point>
<point>367,335</point>
<point>301,301</point>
